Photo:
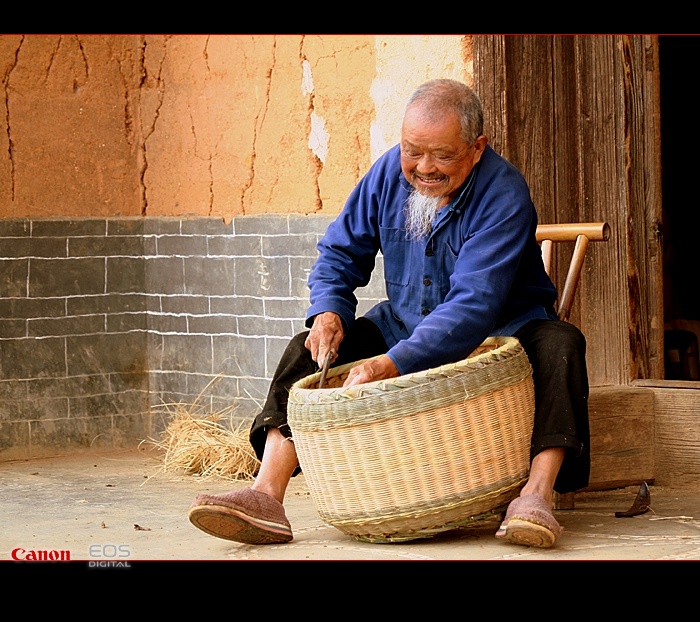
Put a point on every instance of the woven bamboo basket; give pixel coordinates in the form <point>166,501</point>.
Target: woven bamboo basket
<point>420,454</point>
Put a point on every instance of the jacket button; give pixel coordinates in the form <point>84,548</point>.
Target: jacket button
<point>427,282</point>
<point>425,311</point>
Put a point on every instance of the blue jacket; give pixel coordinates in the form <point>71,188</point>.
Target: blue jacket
<point>479,273</point>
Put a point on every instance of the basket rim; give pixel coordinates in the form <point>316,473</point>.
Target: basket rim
<point>504,347</point>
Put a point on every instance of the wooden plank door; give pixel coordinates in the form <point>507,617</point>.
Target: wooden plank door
<point>579,115</point>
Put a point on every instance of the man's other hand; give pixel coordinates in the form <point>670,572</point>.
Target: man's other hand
<point>375,369</point>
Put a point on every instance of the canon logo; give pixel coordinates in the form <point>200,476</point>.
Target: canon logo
<point>21,554</point>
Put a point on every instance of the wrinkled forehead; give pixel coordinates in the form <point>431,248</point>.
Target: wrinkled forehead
<point>425,128</point>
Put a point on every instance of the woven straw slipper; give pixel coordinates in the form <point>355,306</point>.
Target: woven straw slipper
<point>245,516</point>
<point>529,521</point>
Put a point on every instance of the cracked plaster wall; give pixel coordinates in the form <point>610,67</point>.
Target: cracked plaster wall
<point>196,125</point>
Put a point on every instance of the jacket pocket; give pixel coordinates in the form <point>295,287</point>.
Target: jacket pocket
<point>397,257</point>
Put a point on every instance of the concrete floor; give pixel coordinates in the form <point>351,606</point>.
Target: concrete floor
<point>120,508</point>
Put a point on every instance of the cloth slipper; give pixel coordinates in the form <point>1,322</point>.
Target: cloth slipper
<point>529,521</point>
<point>247,516</point>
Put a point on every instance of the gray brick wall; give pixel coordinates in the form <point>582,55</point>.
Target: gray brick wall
<point>105,321</point>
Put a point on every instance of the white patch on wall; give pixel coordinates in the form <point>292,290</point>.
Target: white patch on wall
<point>307,81</point>
<point>404,63</point>
<point>319,138</point>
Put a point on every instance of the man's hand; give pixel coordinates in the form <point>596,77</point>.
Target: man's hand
<point>325,336</point>
<point>376,369</point>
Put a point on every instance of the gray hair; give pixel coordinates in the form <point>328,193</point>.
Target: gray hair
<point>439,96</point>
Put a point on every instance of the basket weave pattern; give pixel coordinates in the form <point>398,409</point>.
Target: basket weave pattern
<point>413,456</point>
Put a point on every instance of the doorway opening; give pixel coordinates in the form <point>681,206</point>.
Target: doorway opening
<point>680,141</point>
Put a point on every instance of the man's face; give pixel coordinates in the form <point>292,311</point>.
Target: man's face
<point>434,157</point>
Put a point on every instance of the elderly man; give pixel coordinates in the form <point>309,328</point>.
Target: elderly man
<point>456,226</point>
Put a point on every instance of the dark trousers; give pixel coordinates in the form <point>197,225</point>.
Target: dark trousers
<point>557,353</point>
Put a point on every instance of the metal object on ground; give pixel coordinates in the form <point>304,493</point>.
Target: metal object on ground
<point>641,503</point>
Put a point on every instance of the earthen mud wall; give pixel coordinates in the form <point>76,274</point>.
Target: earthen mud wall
<point>198,125</point>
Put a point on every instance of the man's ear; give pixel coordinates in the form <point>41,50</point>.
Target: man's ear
<point>479,146</point>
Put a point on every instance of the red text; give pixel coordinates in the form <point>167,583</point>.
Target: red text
<point>40,556</point>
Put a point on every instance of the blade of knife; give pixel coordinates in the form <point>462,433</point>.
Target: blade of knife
<point>324,370</point>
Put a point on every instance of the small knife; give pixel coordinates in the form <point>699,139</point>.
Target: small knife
<point>324,371</point>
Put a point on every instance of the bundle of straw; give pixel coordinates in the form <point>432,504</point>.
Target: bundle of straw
<point>203,446</point>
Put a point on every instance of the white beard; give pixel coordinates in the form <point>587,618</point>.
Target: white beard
<point>420,211</point>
